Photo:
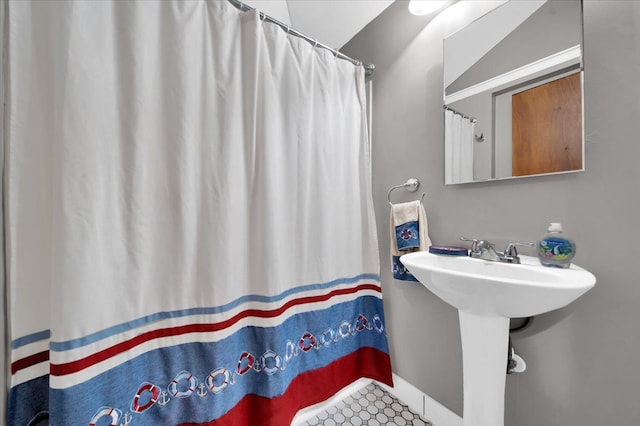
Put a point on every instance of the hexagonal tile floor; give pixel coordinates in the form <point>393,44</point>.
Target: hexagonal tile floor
<point>370,406</point>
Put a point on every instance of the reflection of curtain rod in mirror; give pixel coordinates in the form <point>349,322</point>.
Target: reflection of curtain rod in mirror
<point>471,119</point>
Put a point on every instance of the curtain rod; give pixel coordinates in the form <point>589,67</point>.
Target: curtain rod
<point>368,68</point>
<point>472,119</point>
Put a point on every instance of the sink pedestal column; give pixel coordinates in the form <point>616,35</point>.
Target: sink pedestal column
<point>485,341</point>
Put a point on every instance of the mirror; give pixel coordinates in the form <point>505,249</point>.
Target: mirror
<point>513,93</point>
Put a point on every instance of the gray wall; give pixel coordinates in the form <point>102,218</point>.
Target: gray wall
<point>584,360</point>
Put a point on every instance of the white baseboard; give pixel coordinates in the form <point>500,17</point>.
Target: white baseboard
<point>418,401</point>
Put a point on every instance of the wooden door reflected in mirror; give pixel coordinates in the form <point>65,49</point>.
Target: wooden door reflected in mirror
<point>547,128</point>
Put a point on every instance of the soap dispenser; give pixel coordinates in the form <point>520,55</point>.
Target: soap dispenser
<point>554,249</point>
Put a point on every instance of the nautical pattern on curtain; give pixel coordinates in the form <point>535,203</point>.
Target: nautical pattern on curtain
<point>190,231</point>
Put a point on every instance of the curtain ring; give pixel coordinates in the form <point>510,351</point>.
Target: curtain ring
<point>315,43</point>
<point>262,17</point>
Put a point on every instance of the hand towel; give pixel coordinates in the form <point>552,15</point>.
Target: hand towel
<point>409,232</point>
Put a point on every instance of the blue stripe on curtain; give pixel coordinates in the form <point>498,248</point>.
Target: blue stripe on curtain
<point>201,381</point>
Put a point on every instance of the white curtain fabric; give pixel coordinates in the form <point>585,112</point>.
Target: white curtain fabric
<point>3,313</point>
<point>459,139</point>
<point>189,216</point>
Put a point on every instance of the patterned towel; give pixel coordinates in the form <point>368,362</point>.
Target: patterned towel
<point>408,233</point>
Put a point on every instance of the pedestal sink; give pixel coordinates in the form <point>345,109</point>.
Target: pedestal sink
<point>487,294</point>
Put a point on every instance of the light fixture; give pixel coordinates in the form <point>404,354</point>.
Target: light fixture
<point>424,7</point>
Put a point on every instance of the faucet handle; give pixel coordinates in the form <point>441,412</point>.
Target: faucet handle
<point>475,240</point>
<point>479,247</point>
<point>474,244</point>
<point>510,253</point>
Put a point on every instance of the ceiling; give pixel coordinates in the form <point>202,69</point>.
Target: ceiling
<point>331,22</point>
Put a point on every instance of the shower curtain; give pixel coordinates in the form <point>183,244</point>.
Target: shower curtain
<point>189,226</point>
<point>459,134</point>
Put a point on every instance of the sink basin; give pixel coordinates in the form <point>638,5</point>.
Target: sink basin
<point>487,294</point>
<point>493,288</point>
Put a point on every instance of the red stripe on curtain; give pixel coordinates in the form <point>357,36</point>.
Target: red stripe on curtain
<point>307,389</point>
<point>29,361</point>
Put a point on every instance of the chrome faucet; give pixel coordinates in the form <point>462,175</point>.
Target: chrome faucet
<point>481,249</point>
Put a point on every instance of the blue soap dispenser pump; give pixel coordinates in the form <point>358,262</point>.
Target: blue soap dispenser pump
<point>554,249</point>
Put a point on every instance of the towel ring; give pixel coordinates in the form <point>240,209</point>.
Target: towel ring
<point>410,185</point>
